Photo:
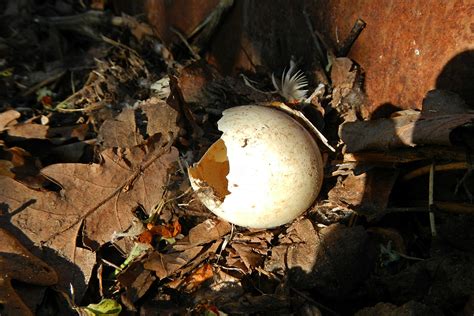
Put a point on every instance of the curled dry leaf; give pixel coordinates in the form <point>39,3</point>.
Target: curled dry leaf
<point>17,163</point>
<point>165,231</point>
<point>198,276</point>
<point>8,118</point>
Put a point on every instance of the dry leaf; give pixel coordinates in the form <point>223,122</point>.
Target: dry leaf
<point>8,118</point>
<point>347,97</point>
<point>5,169</point>
<point>136,281</point>
<point>17,263</point>
<point>18,164</point>
<point>333,260</point>
<point>249,257</point>
<point>29,130</point>
<point>62,133</point>
<point>138,29</point>
<point>261,237</point>
<point>207,231</point>
<point>133,126</point>
<point>106,192</point>
<point>194,80</point>
<point>224,288</point>
<point>204,255</point>
<point>165,265</point>
<point>367,193</point>
<point>200,275</point>
<point>165,231</point>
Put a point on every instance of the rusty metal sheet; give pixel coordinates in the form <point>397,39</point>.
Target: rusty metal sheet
<point>182,15</point>
<point>407,48</point>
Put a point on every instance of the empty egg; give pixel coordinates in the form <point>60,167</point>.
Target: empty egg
<point>264,171</point>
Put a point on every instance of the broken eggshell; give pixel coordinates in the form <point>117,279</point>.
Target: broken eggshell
<point>264,171</point>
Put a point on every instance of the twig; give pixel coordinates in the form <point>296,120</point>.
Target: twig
<point>185,42</point>
<point>404,155</point>
<point>430,200</point>
<point>225,242</point>
<point>346,46</point>
<point>316,42</point>
<point>249,84</point>
<point>408,257</point>
<point>43,83</point>
<point>203,33</point>
<point>427,169</point>
<point>100,270</point>
<point>301,116</point>
<point>445,207</point>
<point>116,267</point>
<point>118,44</point>
<point>309,299</point>
<point>470,169</point>
<point>87,109</point>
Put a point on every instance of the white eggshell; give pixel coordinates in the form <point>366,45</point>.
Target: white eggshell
<point>264,171</point>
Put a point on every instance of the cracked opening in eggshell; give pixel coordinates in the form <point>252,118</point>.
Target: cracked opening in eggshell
<point>213,169</point>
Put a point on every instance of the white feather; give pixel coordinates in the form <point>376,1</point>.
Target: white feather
<point>292,84</point>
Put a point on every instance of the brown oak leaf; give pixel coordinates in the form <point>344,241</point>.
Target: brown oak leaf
<point>95,201</point>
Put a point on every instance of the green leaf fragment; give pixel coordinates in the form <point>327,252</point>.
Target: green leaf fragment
<point>105,307</point>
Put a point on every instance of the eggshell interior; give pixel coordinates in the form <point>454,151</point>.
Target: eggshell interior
<point>264,171</point>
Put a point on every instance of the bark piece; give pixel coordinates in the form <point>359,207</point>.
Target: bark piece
<point>401,131</point>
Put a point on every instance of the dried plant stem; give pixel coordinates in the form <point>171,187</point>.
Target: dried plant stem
<point>426,169</point>
<point>430,200</point>
<point>43,83</point>
<point>316,42</point>
<point>185,42</point>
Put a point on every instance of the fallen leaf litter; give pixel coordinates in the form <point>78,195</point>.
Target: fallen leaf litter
<point>96,204</point>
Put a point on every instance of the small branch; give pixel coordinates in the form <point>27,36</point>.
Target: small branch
<point>185,42</point>
<point>316,42</point>
<point>346,46</point>
<point>202,34</point>
<point>52,78</point>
